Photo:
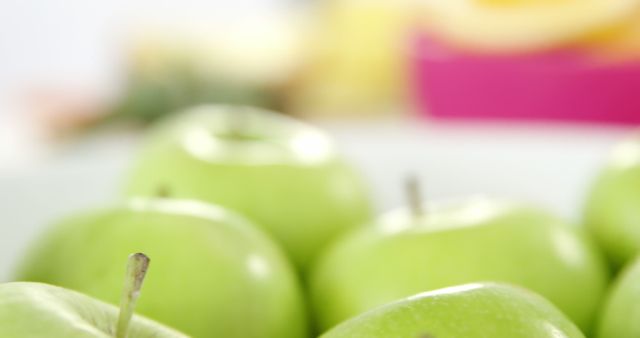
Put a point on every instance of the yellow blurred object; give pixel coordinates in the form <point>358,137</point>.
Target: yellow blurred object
<point>618,43</point>
<point>356,59</point>
<point>253,50</point>
<point>502,3</point>
<point>521,25</point>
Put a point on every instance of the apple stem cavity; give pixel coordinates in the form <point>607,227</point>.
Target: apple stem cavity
<point>238,124</point>
<point>136,270</point>
<point>163,191</point>
<point>414,195</point>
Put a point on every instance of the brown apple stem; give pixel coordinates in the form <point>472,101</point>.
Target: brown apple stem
<point>414,195</point>
<point>136,271</point>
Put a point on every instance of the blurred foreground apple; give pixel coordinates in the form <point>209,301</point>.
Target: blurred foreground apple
<point>34,310</point>
<point>214,274</point>
<point>446,244</point>
<point>470,311</point>
<point>621,311</point>
<point>613,208</point>
<point>282,173</point>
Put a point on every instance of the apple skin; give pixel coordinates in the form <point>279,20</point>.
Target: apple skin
<point>283,174</point>
<point>472,311</point>
<point>214,273</point>
<point>620,314</point>
<point>480,239</point>
<point>35,310</point>
<point>612,214</point>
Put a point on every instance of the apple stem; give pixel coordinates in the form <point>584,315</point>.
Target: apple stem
<point>136,271</point>
<point>414,195</point>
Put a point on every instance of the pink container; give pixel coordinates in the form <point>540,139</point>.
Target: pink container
<point>564,85</point>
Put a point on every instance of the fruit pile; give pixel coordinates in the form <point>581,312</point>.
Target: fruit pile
<point>257,228</point>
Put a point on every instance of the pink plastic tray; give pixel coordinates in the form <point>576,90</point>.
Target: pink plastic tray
<point>564,85</point>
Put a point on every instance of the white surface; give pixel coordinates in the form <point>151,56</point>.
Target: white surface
<point>551,166</point>
<point>80,44</point>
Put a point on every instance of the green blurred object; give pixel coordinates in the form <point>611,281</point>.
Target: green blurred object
<point>469,311</point>
<point>214,274</point>
<point>282,173</point>
<point>613,207</point>
<point>454,243</point>
<point>621,311</point>
<point>152,96</point>
<point>250,60</point>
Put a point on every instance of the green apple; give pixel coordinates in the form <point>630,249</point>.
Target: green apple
<point>620,316</point>
<point>458,242</point>
<point>471,311</point>
<point>283,174</point>
<point>612,213</point>
<point>35,310</point>
<point>215,274</point>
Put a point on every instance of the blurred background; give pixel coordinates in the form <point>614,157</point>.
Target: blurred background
<point>515,98</point>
